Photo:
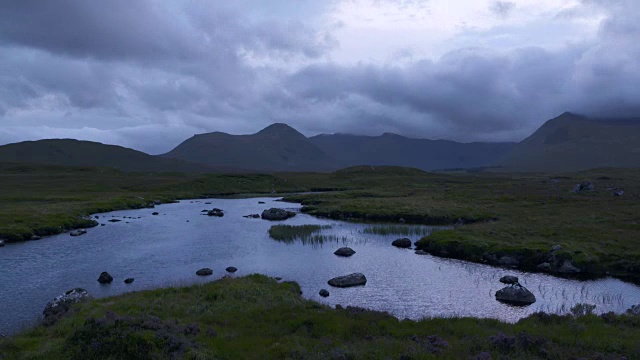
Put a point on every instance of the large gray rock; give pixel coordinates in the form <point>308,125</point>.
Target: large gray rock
<point>59,306</point>
<point>345,251</point>
<point>509,280</point>
<point>354,279</point>
<point>105,278</point>
<point>515,295</point>
<point>568,268</point>
<point>402,243</point>
<point>276,214</point>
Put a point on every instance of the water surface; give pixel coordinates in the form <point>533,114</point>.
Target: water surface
<point>168,248</point>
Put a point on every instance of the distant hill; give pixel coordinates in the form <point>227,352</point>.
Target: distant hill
<point>392,149</point>
<point>277,147</point>
<point>573,142</point>
<point>70,152</point>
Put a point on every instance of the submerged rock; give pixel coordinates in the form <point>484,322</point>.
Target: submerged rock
<point>60,305</point>
<point>402,243</point>
<point>128,280</point>
<point>324,293</point>
<point>276,214</point>
<point>78,232</point>
<point>515,295</point>
<point>354,279</point>
<point>231,269</point>
<point>345,251</point>
<point>105,278</point>
<point>215,212</point>
<point>114,220</point>
<point>509,280</point>
<point>252,216</point>
<point>204,272</point>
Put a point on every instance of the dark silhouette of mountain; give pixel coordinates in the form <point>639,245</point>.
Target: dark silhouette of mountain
<point>277,147</point>
<point>69,152</point>
<point>392,149</point>
<point>573,142</point>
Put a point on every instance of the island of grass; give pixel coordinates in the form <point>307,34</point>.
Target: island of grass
<point>255,317</point>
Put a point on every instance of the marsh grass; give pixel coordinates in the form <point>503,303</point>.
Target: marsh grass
<point>405,230</point>
<point>255,317</point>
<point>292,232</point>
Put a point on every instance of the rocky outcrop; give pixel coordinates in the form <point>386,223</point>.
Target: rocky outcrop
<point>584,186</point>
<point>276,214</point>
<point>204,272</point>
<point>568,268</point>
<point>78,232</point>
<point>59,306</point>
<point>215,212</point>
<point>354,279</point>
<point>324,293</point>
<point>105,278</point>
<point>402,243</point>
<point>515,295</point>
<point>345,251</point>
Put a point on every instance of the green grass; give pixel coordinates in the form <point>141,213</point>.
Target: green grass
<point>405,230</point>
<point>293,232</point>
<point>256,317</point>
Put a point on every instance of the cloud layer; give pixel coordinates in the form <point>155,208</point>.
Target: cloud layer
<point>148,74</point>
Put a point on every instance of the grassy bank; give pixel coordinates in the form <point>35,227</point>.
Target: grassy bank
<point>256,317</point>
<point>514,215</point>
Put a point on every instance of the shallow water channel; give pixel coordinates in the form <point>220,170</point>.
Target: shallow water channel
<point>168,248</point>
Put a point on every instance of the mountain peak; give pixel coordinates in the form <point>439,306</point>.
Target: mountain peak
<point>279,129</point>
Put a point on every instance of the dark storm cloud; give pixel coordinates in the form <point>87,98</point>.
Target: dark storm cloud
<point>149,74</point>
<point>502,8</point>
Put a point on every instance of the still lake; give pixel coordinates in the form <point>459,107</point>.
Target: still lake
<point>167,249</point>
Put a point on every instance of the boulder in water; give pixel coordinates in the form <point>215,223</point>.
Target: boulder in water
<point>515,295</point>
<point>276,214</point>
<point>105,278</point>
<point>509,280</point>
<point>231,269</point>
<point>324,293</point>
<point>215,212</point>
<point>128,280</point>
<point>345,251</point>
<point>354,279</point>
<point>402,243</point>
<point>204,272</point>
<point>1,243</point>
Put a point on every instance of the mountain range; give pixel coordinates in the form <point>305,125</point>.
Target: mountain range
<point>569,142</point>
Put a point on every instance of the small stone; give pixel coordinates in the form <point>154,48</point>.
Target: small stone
<point>324,293</point>
<point>555,248</point>
<point>114,220</point>
<point>278,278</point>
<point>155,213</point>
<point>402,221</point>
<point>128,280</point>
<point>204,272</point>
<point>78,232</point>
<point>231,269</point>
<point>105,278</point>
<point>215,212</point>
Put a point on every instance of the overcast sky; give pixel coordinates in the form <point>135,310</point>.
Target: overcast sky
<point>148,74</point>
